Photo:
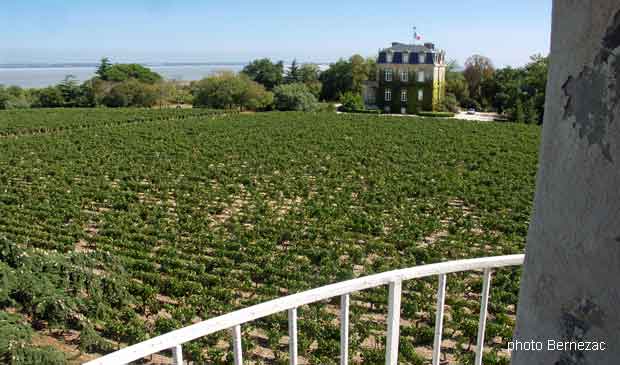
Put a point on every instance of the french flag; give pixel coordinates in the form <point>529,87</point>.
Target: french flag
<point>416,36</point>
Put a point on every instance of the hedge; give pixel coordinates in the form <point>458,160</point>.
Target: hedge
<point>436,114</point>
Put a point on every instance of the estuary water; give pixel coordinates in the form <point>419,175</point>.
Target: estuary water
<point>36,76</point>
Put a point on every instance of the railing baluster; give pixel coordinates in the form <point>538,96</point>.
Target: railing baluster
<point>292,335</point>
<point>484,303</point>
<point>344,329</point>
<point>237,350</point>
<point>391,347</point>
<point>177,355</point>
<point>170,340</point>
<point>441,298</point>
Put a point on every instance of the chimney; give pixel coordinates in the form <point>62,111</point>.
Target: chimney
<point>430,45</point>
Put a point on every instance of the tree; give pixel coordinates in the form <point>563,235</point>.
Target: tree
<point>292,74</point>
<point>361,69</point>
<point>336,80</point>
<point>256,97</point>
<point>530,114</point>
<point>126,71</point>
<point>49,97</point>
<point>509,82</point>
<point>352,102</point>
<point>265,72</point>
<point>131,93</point>
<point>70,91</point>
<point>104,66</point>
<point>524,85</point>
<point>294,97</point>
<point>457,86</point>
<point>227,90</point>
<point>517,114</point>
<point>4,97</point>
<point>348,75</point>
<point>478,69</point>
<point>449,104</point>
<point>309,74</point>
<point>14,97</point>
<point>536,83</point>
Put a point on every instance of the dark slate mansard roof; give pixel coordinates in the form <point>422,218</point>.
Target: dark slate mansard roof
<point>397,50</point>
<point>415,48</point>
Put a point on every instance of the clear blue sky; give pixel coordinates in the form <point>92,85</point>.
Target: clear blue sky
<point>319,30</point>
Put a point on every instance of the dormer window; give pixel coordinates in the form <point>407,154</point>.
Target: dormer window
<point>421,57</point>
<point>405,57</point>
<point>389,57</point>
<point>388,75</point>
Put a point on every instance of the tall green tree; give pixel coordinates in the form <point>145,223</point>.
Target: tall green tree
<point>70,91</point>
<point>309,75</point>
<point>104,66</point>
<point>336,80</point>
<point>265,72</point>
<point>478,70</point>
<point>292,74</point>
<point>346,76</point>
<point>456,84</point>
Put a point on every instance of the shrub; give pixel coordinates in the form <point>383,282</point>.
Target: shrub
<point>91,341</point>
<point>517,114</point>
<point>15,347</point>
<point>295,97</point>
<point>49,97</point>
<point>37,355</point>
<point>470,103</point>
<point>131,93</point>
<point>351,102</point>
<point>327,107</point>
<point>449,104</point>
<point>436,114</point>
<point>227,90</point>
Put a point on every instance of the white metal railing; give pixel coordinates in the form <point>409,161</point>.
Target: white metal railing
<point>233,321</point>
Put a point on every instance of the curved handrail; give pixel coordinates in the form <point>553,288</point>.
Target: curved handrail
<point>178,337</point>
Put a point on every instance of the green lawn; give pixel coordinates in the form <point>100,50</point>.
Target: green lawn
<point>125,224</point>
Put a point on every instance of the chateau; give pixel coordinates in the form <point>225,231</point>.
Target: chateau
<point>410,78</point>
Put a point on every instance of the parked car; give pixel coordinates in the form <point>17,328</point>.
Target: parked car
<point>471,111</point>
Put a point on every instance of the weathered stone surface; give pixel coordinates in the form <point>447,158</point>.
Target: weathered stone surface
<point>570,287</point>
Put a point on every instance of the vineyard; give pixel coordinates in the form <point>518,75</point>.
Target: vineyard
<point>118,225</point>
